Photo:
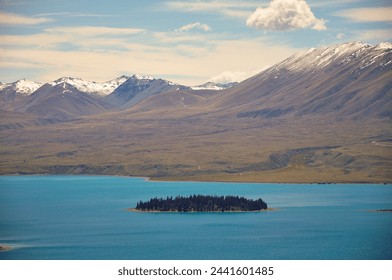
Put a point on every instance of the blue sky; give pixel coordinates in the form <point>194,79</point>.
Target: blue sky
<point>188,42</point>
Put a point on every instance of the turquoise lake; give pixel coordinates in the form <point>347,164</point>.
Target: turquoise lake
<point>85,217</point>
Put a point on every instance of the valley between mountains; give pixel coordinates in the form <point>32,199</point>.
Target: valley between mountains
<point>323,115</point>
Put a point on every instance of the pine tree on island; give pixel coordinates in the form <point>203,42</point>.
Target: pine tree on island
<point>202,203</point>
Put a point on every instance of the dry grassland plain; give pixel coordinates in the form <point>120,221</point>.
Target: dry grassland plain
<point>183,146</point>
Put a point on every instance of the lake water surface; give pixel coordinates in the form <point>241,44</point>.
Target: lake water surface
<point>85,217</point>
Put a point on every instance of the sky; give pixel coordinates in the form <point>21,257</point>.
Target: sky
<point>187,42</point>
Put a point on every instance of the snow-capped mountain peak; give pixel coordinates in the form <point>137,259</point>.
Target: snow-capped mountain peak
<point>100,89</point>
<point>141,77</point>
<point>384,46</point>
<point>342,54</point>
<point>69,80</point>
<point>2,86</point>
<point>24,87</point>
<point>213,86</point>
<point>148,79</point>
<point>109,86</point>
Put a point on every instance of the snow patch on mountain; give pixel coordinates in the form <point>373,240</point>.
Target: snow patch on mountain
<point>213,86</point>
<point>141,77</point>
<point>109,86</point>
<point>106,88</point>
<point>26,87</point>
<point>101,89</point>
<point>314,59</point>
<point>147,79</point>
<point>22,87</point>
<point>384,46</point>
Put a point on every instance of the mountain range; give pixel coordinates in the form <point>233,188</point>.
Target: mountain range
<point>69,97</point>
<point>322,115</point>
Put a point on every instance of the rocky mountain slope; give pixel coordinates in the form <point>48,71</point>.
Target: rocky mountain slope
<point>11,94</point>
<point>323,115</point>
<point>94,88</point>
<point>350,80</point>
<point>138,88</point>
<point>68,97</point>
<point>60,101</point>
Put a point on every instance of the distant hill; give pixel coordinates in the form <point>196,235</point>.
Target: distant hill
<point>11,94</point>
<point>349,80</point>
<point>138,88</point>
<point>60,101</point>
<point>322,115</point>
<point>67,97</point>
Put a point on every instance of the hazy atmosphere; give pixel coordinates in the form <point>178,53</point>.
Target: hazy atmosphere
<point>187,42</point>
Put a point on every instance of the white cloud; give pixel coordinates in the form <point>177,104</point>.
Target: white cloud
<point>181,37</point>
<point>240,9</point>
<point>375,36</point>
<point>340,36</point>
<point>379,14</point>
<point>229,77</point>
<point>92,31</point>
<point>99,53</point>
<point>13,19</point>
<point>235,13</point>
<point>82,37</point>
<point>195,25</point>
<point>235,76</point>
<point>331,3</point>
<point>193,5</point>
<point>169,61</point>
<point>285,15</point>
<point>67,14</point>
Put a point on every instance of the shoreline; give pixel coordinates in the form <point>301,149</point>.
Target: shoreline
<point>193,180</point>
<point>171,180</point>
<point>4,248</point>
<point>157,211</point>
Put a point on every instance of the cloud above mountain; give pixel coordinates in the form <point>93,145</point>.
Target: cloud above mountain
<point>14,19</point>
<point>232,8</point>
<point>229,77</point>
<point>284,15</point>
<point>187,41</point>
<point>373,14</point>
<point>195,25</point>
<point>235,76</point>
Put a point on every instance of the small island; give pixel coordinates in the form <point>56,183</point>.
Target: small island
<point>5,248</point>
<point>201,203</point>
<point>381,210</point>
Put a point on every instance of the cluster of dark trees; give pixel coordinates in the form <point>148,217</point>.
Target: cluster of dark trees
<point>202,203</point>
